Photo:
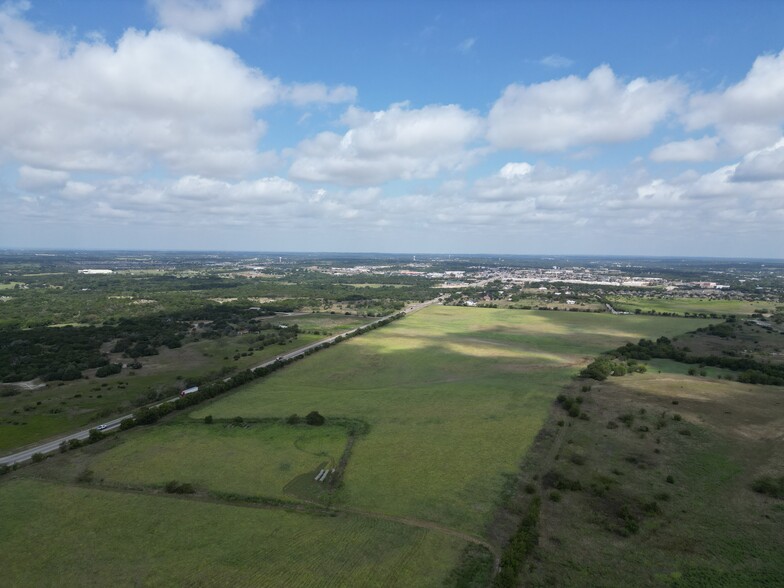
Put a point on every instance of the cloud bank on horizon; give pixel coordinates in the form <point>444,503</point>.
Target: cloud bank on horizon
<point>177,136</point>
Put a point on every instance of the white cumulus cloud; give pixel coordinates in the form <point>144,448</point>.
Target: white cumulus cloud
<point>690,150</point>
<point>563,113</point>
<point>397,143</point>
<point>556,61</point>
<point>747,115</point>
<point>33,178</point>
<point>204,17</point>
<point>152,98</point>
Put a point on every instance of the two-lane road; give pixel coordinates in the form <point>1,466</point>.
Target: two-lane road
<point>54,445</point>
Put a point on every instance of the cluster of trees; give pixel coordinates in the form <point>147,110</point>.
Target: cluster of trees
<point>51,353</point>
<point>313,419</point>
<point>603,367</point>
<point>751,370</point>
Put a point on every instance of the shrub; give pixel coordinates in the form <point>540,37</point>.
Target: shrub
<point>174,487</point>
<point>85,476</point>
<point>612,425</point>
<point>577,459</point>
<point>108,370</point>
<point>293,419</point>
<point>237,420</point>
<point>38,457</point>
<point>651,507</point>
<point>555,496</point>
<point>315,419</point>
<point>520,546</point>
<point>558,481</point>
<point>208,419</point>
<point>630,523</point>
<point>670,479</point>
<point>530,488</point>
<point>769,486</point>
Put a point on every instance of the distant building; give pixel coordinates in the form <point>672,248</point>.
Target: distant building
<point>95,271</point>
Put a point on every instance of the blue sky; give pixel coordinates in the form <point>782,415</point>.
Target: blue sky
<point>616,127</point>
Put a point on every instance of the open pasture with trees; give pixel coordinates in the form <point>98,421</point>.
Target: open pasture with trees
<point>670,481</point>
<point>453,396</point>
<point>101,537</point>
<point>29,413</point>
<point>449,400</point>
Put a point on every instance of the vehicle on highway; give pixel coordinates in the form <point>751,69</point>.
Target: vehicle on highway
<point>102,427</point>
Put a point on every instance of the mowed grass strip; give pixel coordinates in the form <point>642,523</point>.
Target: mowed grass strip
<point>454,397</point>
<point>251,460</point>
<point>55,535</point>
<point>692,305</point>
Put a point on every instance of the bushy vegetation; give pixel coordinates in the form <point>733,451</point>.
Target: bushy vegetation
<point>619,361</point>
<point>474,570</point>
<point>769,486</point>
<point>520,547</point>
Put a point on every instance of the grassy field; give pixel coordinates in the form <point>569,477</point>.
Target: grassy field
<point>454,397</point>
<point>629,524</point>
<point>54,535</point>
<point>324,323</point>
<point>692,305</point>
<point>250,459</point>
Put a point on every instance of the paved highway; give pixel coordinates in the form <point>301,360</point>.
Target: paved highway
<point>54,445</point>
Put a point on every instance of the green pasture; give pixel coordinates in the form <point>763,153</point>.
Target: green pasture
<point>11,285</point>
<point>17,430</point>
<point>454,397</point>
<point>325,323</point>
<point>684,305</point>
<point>249,459</point>
<point>55,535</point>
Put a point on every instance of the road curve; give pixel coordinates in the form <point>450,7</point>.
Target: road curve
<point>54,445</point>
